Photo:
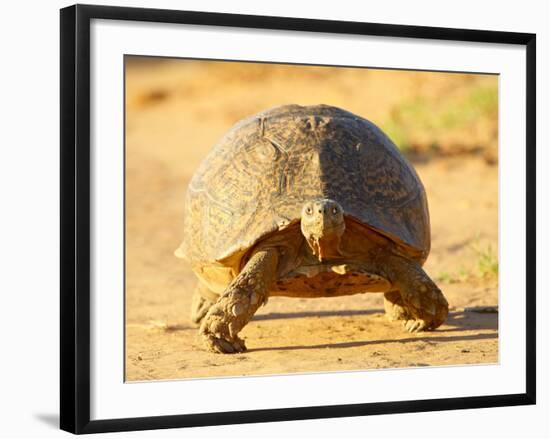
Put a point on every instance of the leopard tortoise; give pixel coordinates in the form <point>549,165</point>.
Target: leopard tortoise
<point>306,201</point>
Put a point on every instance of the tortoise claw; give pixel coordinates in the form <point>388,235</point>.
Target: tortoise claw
<point>415,325</point>
<point>222,346</point>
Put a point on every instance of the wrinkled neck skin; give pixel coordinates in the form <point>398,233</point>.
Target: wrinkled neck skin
<point>322,224</point>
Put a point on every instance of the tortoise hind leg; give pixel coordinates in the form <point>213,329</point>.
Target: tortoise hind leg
<point>200,304</point>
<point>395,307</point>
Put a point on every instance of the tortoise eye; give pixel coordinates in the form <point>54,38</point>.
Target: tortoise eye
<point>334,210</point>
<point>309,211</point>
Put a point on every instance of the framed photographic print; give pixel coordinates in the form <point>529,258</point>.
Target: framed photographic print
<point>268,218</point>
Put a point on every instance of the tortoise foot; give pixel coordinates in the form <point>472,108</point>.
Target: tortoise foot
<point>221,345</point>
<point>416,325</point>
<point>427,307</point>
<point>218,330</point>
<point>416,299</point>
<point>395,308</point>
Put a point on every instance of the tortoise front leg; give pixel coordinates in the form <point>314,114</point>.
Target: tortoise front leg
<point>238,303</point>
<point>422,304</point>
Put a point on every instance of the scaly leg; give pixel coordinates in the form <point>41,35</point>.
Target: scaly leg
<point>238,303</point>
<point>421,298</point>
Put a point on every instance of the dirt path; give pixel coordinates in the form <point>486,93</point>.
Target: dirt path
<point>170,127</point>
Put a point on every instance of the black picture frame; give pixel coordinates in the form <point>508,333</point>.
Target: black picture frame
<point>75,217</point>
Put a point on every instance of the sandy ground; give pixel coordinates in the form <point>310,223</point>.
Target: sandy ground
<point>175,112</point>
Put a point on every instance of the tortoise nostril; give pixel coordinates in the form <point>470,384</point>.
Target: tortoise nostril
<point>320,211</point>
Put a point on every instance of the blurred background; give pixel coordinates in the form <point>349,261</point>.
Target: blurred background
<point>445,123</point>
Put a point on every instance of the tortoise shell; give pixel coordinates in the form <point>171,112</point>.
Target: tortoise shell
<point>255,181</point>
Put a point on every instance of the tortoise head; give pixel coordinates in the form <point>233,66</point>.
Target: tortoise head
<point>322,224</point>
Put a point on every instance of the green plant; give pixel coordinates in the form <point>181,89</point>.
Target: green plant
<point>427,121</point>
<point>487,263</point>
